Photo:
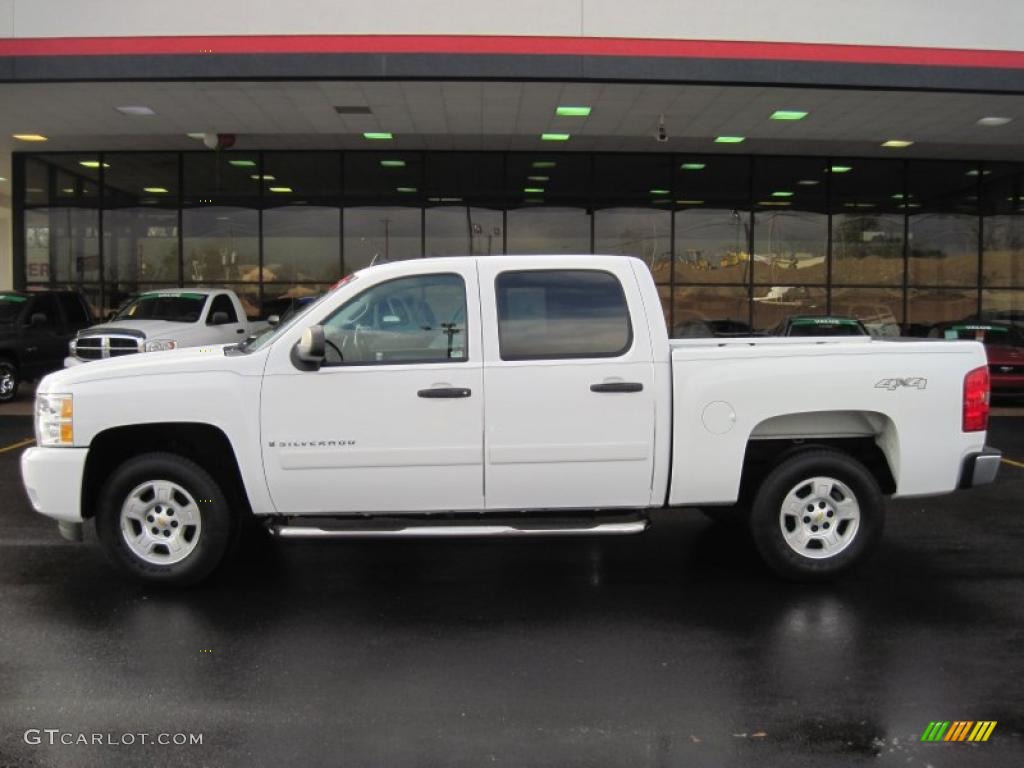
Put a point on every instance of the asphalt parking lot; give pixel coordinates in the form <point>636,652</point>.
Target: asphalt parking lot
<point>671,648</point>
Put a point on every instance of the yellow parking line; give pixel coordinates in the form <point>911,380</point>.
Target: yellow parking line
<point>23,443</point>
<point>1013,463</point>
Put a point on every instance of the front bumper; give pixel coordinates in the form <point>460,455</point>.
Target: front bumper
<point>980,468</point>
<point>71,362</point>
<point>53,481</point>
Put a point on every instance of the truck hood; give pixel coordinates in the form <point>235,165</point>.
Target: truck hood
<point>150,329</point>
<point>188,360</point>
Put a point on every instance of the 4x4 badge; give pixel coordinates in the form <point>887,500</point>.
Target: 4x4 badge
<point>915,382</point>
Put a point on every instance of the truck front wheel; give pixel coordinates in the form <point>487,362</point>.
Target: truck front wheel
<point>164,519</point>
<point>8,380</point>
<point>817,514</point>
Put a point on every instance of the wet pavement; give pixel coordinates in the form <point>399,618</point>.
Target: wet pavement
<point>671,648</point>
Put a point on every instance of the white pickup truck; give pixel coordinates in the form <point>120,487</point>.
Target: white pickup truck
<point>511,396</point>
<point>156,321</point>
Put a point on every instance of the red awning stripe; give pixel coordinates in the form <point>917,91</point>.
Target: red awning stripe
<point>509,45</point>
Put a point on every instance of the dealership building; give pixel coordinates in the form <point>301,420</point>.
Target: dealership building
<point>764,159</point>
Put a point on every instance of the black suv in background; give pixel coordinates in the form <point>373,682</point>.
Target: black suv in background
<point>35,328</point>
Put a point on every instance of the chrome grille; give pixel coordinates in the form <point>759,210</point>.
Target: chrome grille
<point>98,347</point>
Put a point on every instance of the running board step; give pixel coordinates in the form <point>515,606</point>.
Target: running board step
<point>460,530</point>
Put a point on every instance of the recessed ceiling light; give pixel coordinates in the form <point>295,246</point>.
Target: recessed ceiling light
<point>788,114</point>
<point>976,172</point>
<point>538,178</point>
<point>405,189</point>
<point>533,190</point>
<point>543,164</point>
<point>92,164</point>
<point>897,143</point>
<point>29,137</point>
<point>693,166</point>
<point>264,177</point>
<point>994,122</point>
<point>378,136</point>
<point>660,192</point>
<point>782,193</point>
<point>282,190</point>
<point>573,111</point>
<point>196,136</point>
<point>554,137</point>
<point>730,139</point>
<point>135,111</point>
<point>841,168</point>
<point>155,190</point>
<point>68,190</point>
<point>809,182</point>
<point>242,163</point>
<point>392,163</point>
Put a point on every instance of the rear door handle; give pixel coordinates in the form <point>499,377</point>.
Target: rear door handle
<point>617,386</point>
<point>437,392</point>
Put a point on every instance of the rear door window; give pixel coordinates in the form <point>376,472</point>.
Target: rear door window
<point>556,314</point>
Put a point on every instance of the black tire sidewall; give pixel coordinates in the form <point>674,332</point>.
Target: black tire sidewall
<point>6,366</point>
<point>764,519</point>
<point>215,535</point>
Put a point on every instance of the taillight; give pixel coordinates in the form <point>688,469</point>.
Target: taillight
<point>976,394</point>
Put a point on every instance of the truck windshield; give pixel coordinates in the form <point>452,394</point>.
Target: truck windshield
<point>10,307</point>
<point>260,341</point>
<point>174,307</point>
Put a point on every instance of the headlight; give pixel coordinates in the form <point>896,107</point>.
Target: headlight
<point>73,347</point>
<point>55,420</point>
<point>160,345</point>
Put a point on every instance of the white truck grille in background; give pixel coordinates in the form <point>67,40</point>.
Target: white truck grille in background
<point>100,347</point>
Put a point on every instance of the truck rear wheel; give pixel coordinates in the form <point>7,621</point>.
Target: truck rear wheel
<point>817,514</point>
<point>8,380</point>
<point>163,518</point>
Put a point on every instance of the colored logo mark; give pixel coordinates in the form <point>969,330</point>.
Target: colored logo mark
<point>958,730</point>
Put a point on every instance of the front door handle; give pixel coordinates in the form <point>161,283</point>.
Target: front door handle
<point>437,392</point>
<point>618,386</point>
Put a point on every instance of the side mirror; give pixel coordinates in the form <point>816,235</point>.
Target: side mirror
<point>311,348</point>
<point>219,318</point>
<point>37,319</point>
<point>274,320</point>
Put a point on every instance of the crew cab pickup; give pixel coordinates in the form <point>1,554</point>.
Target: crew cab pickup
<point>503,395</point>
<point>163,320</point>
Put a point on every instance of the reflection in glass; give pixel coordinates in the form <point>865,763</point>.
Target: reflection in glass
<point>463,231</point>
<point>548,230</point>
<point>790,247</point>
<point>301,243</point>
<point>1007,306</point>
<point>867,249</point>
<point>942,200</point>
<point>928,306</point>
<point>703,311</point>
<point>879,309</point>
<point>376,235</point>
<point>640,232</point>
<point>712,246</point>
<point>773,305</point>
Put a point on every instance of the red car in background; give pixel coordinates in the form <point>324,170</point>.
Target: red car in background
<point>1004,344</point>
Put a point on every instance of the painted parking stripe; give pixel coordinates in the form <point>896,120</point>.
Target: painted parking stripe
<point>1012,463</point>
<point>29,441</point>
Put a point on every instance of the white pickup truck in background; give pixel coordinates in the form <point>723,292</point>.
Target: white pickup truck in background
<point>506,395</point>
<point>157,321</point>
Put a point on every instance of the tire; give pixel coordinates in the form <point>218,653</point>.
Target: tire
<point>817,495</point>
<point>9,380</point>
<point>163,519</point>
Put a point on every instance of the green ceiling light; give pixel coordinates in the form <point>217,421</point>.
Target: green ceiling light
<point>242,163</point>
<point>264,177</point>
<point>730,139</point>
<point>897,144</point>
<point>538,178</point>
<point>976,172</point>
<point>693,166</point>
<point>392,163</point>
<point>92,164</point>
<point>841,168</point>
<point>406,190</point>
<point>155,190</point>
<point>897,196</point>
<point>555,137</point>
<point>543,164</point>
<point>788,114</point>
<point>660,192</point>
<point>533,191</point>
<point>378,136</point>
<point>808,182</point>
<point>281,190</point>
<point>782,193</point>
<point>573,111</point>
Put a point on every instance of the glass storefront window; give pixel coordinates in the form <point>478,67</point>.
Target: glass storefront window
<point>880,309</point>
<point>942,200</point>
<point>772,305</point>
<point>457,230</point>
<point>641,232</point>
<point>220,219</point>
<point>1004,305</point>
<point>374,235</point>
<point>928,306</point>
<point>867,222</point>
<point>712,246</point>
<point>704,311</point>
<point>1003,226</point>
<point>790,221</point>
<point>548,230</point>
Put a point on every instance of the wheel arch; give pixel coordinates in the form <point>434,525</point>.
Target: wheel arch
<point>205,444</point>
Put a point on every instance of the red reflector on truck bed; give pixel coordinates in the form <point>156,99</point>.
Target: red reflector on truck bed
<point>976,397</point>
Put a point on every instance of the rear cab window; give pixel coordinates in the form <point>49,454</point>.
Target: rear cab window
<point>561,313</point>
